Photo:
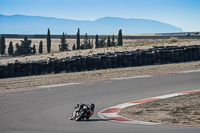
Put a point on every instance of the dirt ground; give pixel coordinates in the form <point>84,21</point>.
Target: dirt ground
<point>176,110</point>
<point>49,79</point>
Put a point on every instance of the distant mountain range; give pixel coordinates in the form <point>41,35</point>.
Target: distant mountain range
<point>20,24</point>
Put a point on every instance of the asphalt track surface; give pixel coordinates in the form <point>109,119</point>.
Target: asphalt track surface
<point>47,109</point>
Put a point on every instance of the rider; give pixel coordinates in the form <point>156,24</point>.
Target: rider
<point>90,110</point>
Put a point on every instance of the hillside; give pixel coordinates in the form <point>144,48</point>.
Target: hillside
<point>20,24</point>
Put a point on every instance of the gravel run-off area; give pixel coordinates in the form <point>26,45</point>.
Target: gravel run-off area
<point>184,110</point>
<point>87,76</point>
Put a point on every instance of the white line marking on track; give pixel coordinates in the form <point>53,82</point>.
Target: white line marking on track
<point>143,76</point>
<point>190,71</point>
<point>168,96</point>
<point>110,114</point>
<point>140,123</point>
<point>124,105</point>
<point>57,85</point>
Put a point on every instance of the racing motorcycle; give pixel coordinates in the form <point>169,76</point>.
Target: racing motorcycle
<point>83,111</point>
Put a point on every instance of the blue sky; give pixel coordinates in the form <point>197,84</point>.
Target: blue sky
<point>181,13</point>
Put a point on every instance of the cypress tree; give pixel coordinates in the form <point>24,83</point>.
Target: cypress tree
<point>113,41</point>
<point>64,46</point>
<point>119,39</point>
<point>97,41</point>
<point>74,47</point>
<point>108,42</point>
<point>85,42</point>
<point>90,46</point>
<point>17,47</point>
<point>2,45</point>
<point>102,43</point>
<point>25,47</point>
<point>34,49</point>
<point>10,48</point>
<point>41,47</point>
<point>48,41</point>
<point>78,39</point>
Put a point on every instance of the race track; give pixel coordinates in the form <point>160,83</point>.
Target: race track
<point>47,109</point>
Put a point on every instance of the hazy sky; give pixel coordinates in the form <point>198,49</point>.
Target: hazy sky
<point>181,13</point>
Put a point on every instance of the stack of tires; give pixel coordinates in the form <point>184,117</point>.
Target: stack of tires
<point>134,58</point>
<point>139,59</point>
<point>96,62</point>
<point>155,55</point>
<point>17,69</point>
<point>119,59</point>
<point>104,63</point>
<point>1,72</point>
<point>176,55</point>
<point>198,52</point>
<point>83,63</point>
<point>73,65</point>
<point>11,69</point>
<point>78,64</point>
<point>50,64</point>
<point>172,56</point>
<point>29,68</point>
<point>109,61</point>
<point>34,68</point>
<point>4,71</point>
<point>23,69</point>
<point>114,61</point>
<point>67,65</point>
<point>88,63</point>
<point>62,65</point>
<point>56,66</point>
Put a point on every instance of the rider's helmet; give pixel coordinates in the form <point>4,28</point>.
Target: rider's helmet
<point>92,106</point>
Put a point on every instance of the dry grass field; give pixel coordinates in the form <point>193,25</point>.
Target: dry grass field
<point>129,44</point>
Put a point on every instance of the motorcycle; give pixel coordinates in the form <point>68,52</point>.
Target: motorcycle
<point>82,113</point>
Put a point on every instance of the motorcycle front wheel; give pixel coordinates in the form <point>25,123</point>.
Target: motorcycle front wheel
<point>80,116</point>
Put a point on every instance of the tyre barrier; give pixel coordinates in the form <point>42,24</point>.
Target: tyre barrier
<point>34,68</point>
<point>152,56</point>
<point>11,69</point>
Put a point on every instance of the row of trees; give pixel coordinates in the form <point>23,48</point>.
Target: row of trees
<point>99,43</point>
<point>25,46</point>
<point>21,49</point>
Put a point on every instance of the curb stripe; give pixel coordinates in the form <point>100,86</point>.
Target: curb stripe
<point>146,100</point>
<point>190,92</point>
<point>168,96</point>
<point>118,119</point>
<point>124,105</point>
<point>111,112</point>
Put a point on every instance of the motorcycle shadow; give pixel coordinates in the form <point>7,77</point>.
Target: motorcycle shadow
<point>93,120</point>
